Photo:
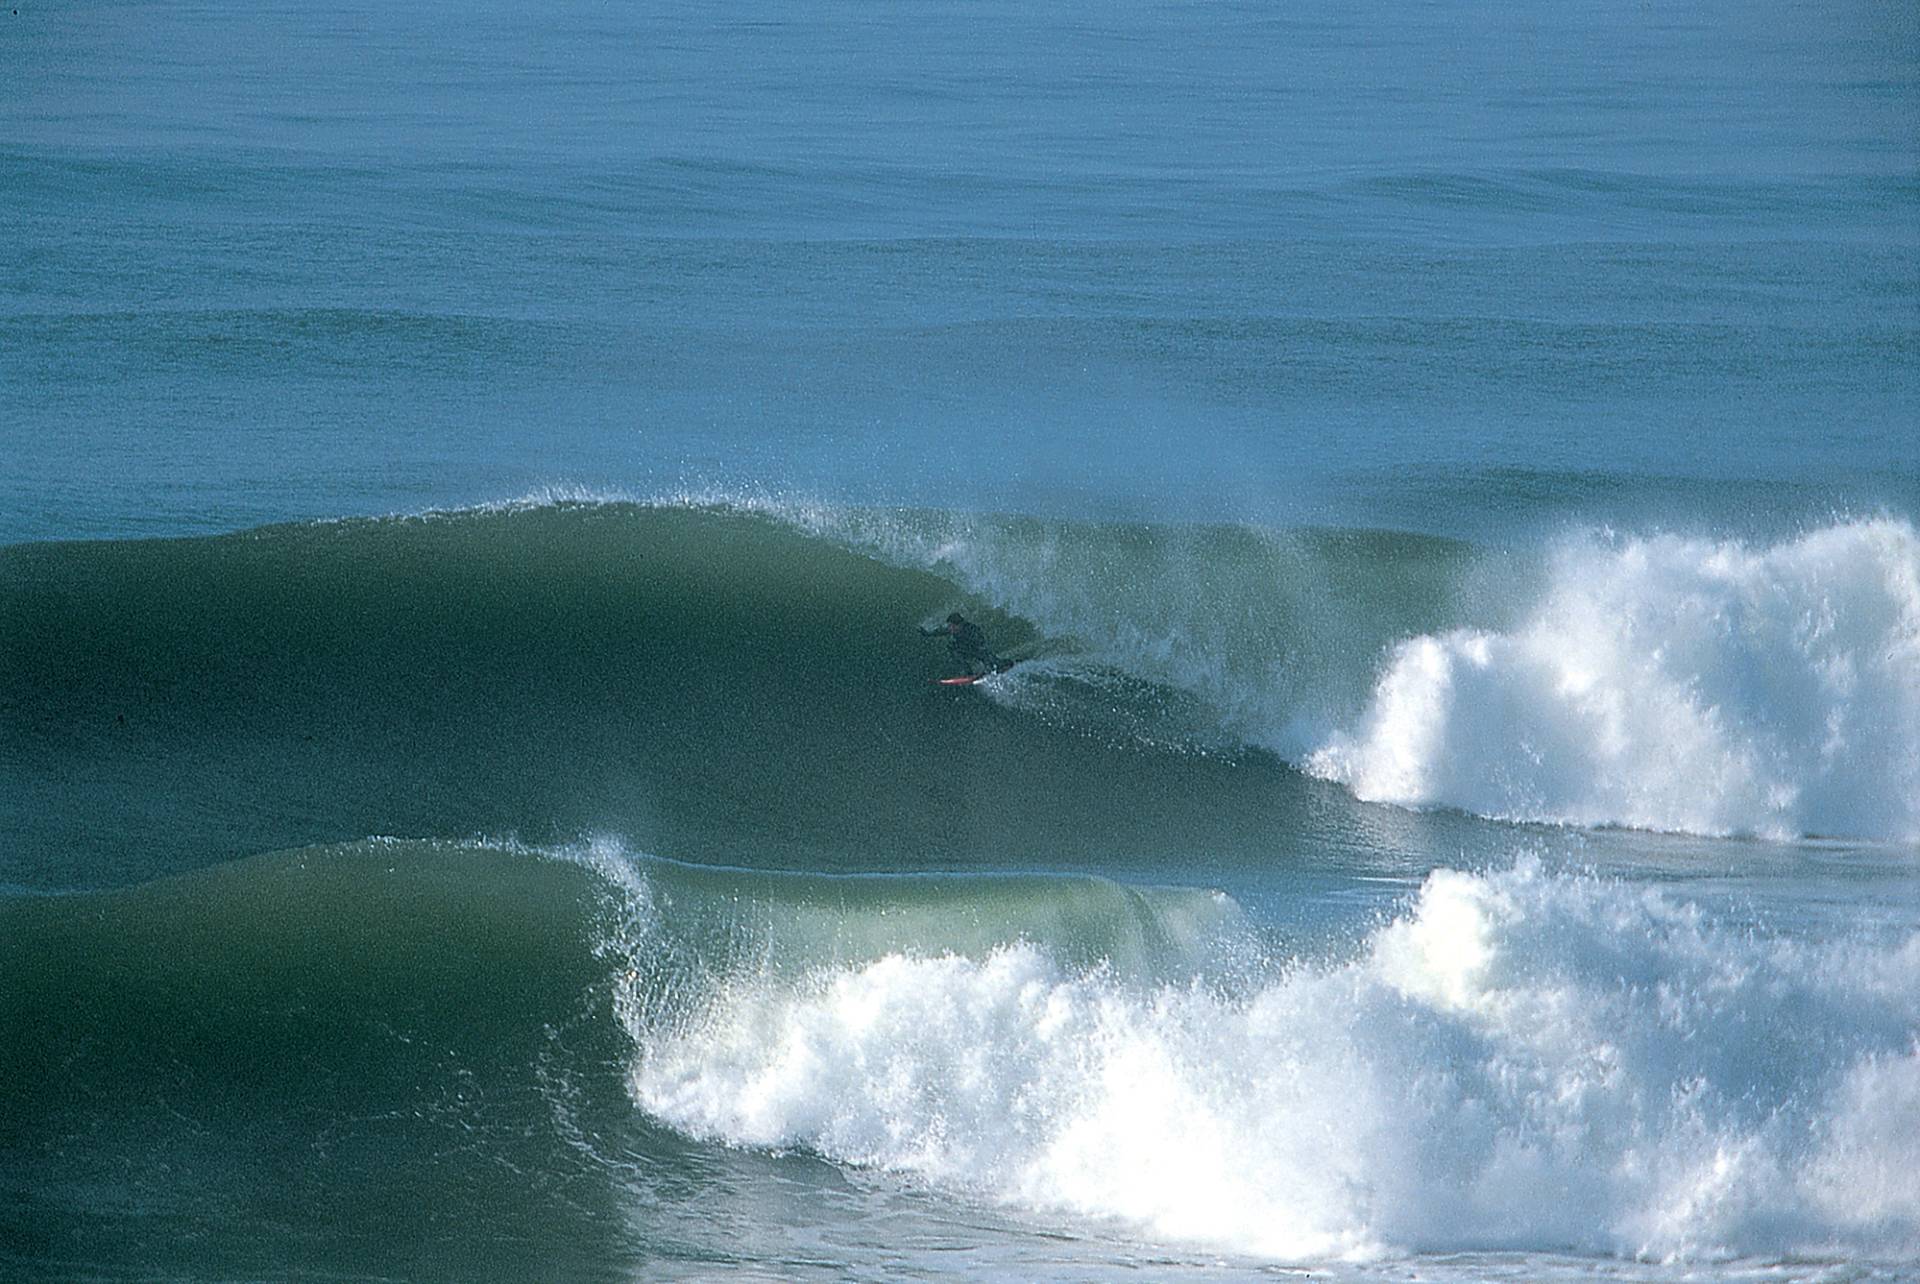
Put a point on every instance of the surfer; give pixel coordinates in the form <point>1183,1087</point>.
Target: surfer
<point>968,643</point>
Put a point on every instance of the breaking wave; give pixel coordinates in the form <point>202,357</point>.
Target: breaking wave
<point>1670,684</point>
<point>1519,1059</point>
<point>739,680</point>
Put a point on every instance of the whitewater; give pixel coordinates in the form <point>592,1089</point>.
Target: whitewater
<point>1669,683</point>
<point>1519,1059</point>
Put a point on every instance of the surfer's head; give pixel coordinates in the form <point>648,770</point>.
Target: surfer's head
<point>956,618</point>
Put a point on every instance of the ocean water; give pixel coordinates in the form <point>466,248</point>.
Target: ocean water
<point>474,804</point>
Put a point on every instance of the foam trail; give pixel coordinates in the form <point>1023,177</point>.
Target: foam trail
<point>1521,1059</point>
<point>1671,684</point>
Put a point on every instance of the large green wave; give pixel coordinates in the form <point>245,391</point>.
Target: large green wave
<point>707,682</point>
<point>474,980</point>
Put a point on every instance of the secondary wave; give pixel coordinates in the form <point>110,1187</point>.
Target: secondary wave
<point>1512,1060</point>
<point>1519,1059</point>
<point>386,973</point>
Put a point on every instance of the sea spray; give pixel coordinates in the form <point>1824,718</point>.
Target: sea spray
<point>1671,683</point>
<point>1519,1058</point>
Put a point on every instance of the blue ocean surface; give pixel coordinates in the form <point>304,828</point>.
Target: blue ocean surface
<point>474,798</point>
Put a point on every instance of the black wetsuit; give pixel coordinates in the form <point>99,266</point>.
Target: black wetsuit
<point>969,645</point>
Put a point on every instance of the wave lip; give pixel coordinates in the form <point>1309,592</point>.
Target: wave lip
<point>1671,684</point>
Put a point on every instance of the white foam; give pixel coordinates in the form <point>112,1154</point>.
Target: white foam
<point>1671,684</point>
<point>1520,1061</point>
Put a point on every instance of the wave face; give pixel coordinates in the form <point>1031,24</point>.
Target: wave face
<point>704,681</point>
<point>739,680</point>
<point>1518,1059</point>
<point>1671,684</point>
<point>342,970</point>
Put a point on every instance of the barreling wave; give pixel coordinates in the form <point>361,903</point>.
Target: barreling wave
<point>730,682</point>
<point>1664,682</point>
<point>739,681</point>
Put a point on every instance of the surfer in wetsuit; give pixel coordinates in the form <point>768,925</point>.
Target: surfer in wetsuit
<point>969,644</point>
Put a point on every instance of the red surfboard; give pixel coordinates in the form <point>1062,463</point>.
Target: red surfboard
<point>968,679</point>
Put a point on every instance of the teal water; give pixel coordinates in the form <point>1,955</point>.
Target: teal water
<point>474,803</point>
<point>1227,261</point>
